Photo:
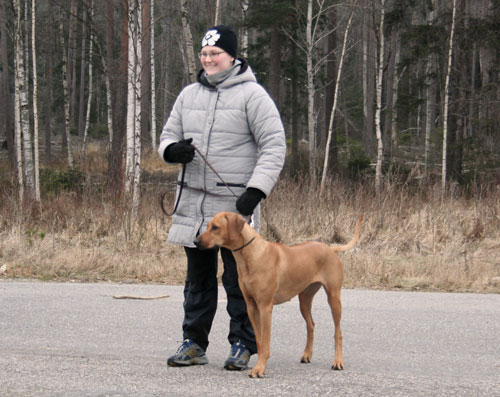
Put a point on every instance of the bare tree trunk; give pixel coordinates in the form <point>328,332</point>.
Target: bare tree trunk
<point>395,92</point>
<point>331,75</point>
<point>133,158</point>
<point>131,95</point>
<point>81,101</point>
<point>35,101</point>
<point>23,92</point>
<point>71,62</point>
<point>119,92</point>
<point>244,30</point>
<point>378,112</point>
<point>153,78</point>
<point>19,82</point>
<point>91,87</point>
<point>311,122</point>
<point>107,63</point>
<point>146,70</point>
<point>188,40</point>
<point>275,64</point>
<point>447,99</point>
<point>217,12</point>
<point>7,122</point>
<point>429,100</point>
<point>335,99</point>
<point>368,81</point>
<point>67,120</point>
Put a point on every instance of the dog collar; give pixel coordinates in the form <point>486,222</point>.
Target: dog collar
<point>244,245</point>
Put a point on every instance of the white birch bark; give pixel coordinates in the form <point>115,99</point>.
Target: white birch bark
<point>35,101</point>
<point>133,153</point>
<point>188,39</point>
<point>378,112</point>
<point>17,101</point>
<point>131,106</point>
<point>244,30</point>
<point>67,121</point>
<point>447,99</point>
<point>335,99</point>
<point>91,86</point>
<point>137,114</point>
<point>153,79</point>
<point>310,96</point>
<point>24,120</point>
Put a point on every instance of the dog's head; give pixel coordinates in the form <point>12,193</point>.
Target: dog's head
<point>224,230</point>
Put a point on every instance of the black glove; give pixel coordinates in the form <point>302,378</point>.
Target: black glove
<point>180,152</point>
<point>247,202</point>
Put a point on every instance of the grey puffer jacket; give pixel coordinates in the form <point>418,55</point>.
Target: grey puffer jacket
<point>237,127</point>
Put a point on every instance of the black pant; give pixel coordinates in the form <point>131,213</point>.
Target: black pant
<point>200,298</point>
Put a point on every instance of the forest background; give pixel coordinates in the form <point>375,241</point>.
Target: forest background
<point>391,109</point>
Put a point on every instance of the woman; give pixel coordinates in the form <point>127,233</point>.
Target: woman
<point>235,124</point>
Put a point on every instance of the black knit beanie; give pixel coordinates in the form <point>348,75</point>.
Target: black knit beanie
<point>223,37</point>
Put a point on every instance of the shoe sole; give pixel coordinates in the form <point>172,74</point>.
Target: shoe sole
<point>233,367</point>
<point>195,361</point>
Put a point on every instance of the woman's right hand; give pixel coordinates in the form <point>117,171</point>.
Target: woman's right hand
<point>180,152</point>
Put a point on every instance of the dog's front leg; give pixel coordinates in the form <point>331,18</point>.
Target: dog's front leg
<point>263,345</point>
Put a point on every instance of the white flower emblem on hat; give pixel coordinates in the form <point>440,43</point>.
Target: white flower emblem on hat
<point>210,38</point>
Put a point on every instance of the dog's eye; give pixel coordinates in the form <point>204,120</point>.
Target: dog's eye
<point>215,227</point>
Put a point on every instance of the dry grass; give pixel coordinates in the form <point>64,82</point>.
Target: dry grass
<point>411,239</point>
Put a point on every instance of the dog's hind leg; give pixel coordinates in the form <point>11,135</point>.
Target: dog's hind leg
<point>336,307</point>
<point>306,299</point>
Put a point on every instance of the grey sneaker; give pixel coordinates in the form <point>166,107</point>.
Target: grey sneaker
<point>189,353</point>
<point>238,357</point>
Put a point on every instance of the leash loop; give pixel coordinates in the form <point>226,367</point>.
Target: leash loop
<point>182,184</point>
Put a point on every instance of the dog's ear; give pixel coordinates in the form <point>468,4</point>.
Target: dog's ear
<point>235,225</point>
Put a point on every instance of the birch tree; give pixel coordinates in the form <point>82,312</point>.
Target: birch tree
<point>23,133</point>
<point>35,101</point>
<point>335,100</point>
<point>378,112</point>
<point>368,62</point>
<point>66,93</point>
<point>153,78</point>
<point>188,41</point>
<point>311,119</point>
<point>91,86</point>
<point>133,152</point>
<point>447,98</point>
<point>244,30</point>
<point>19,83</point>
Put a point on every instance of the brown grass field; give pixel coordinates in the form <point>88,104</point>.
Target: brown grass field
<point>411,238</point>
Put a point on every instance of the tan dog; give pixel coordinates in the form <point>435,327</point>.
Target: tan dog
<point>272,273</point>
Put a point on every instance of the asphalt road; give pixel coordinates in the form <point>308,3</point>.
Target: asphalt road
<point>72,339</point>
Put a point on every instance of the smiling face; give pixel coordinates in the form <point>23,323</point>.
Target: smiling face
<point>214,59</point>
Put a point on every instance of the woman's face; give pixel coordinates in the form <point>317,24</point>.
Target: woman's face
<point>215,59</point>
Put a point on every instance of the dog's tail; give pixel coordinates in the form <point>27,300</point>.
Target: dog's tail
<point>350,244</point>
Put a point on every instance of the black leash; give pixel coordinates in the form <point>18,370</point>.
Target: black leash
<point>162,198</point>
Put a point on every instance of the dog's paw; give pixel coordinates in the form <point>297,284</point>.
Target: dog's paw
<point>338,365</point>
<point>306,358</point>
<point>257,372</point>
